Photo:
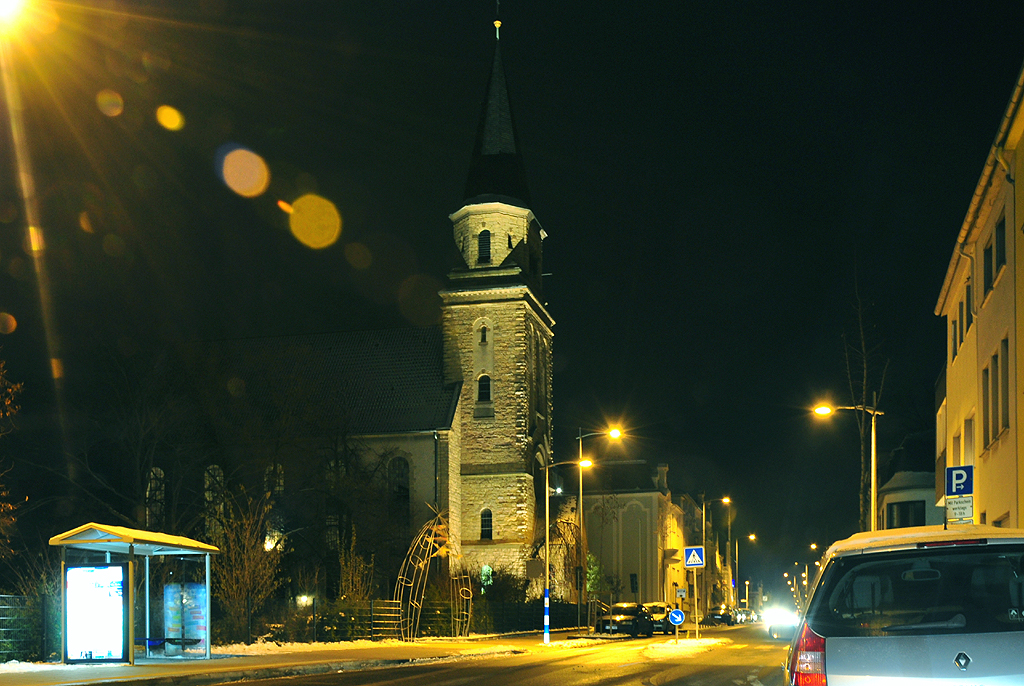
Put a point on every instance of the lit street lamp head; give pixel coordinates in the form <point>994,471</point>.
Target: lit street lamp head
<point>823,410</point>
<point>9,11</point>
<point>615,433</point>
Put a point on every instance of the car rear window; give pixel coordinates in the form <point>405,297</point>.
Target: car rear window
<point>624,609</point>
<point>954,589</point>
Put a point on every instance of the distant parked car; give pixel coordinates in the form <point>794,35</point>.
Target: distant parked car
<point>659,613</point>
<point>745,616</point>
<point>922,605</point>
<point>626,618</point>
<point>720,615</point>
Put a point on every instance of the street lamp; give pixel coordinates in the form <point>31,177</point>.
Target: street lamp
<point>704,532</point>
<point>752,537</point>
<point>825,411</point>
<point>613,433</point>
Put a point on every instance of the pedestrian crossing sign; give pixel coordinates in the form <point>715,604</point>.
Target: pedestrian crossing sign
<point>693,557</point>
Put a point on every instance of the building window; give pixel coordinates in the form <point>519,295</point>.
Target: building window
<point>988,272</point>
<point>994,381</point>
<point>331,535</point>
<point>486,528</point>
<point>213,495</point>
<point>952,341</point>
<point>483,247</point>
<point>986,409</point>
<point>968,312</point>
<point>486,578</point>
<point>907,513</point>
<point>1000,246</point>
<point>483,335</point>
<point>273,481</point>
<point>968,444</point>
<point>483,389</point>
<point>155,499</point>
<point>1004,385</point>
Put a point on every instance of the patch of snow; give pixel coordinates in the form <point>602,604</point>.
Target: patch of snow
<point>684,647</point>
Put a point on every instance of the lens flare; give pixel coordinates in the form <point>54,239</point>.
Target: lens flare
<point>315,221</point>
<point>418,300</point>
<point>358,255</point>
<point>170,118</point>
<point>110,102</point>
<point>242,170</point>
<point>84,222</point>
<point>7,323</point>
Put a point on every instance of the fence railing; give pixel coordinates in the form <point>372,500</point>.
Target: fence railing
<point>30,627</point>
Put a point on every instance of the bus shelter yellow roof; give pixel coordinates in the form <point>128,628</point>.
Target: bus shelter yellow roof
<point>118,539</point>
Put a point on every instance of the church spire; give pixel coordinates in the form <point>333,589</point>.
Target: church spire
<point>496,172</point>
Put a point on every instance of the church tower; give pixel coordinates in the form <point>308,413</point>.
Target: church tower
<point>497,344</point>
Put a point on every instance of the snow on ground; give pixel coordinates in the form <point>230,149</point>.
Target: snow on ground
<point>684,647</point>
<point>668,649</point>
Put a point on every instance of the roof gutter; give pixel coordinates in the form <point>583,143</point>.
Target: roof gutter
<point>994,159</point>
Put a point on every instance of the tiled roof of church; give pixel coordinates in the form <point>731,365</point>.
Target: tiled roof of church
<point>379,381</point>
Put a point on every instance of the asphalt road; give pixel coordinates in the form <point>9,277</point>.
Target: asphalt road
<point>744,656</point>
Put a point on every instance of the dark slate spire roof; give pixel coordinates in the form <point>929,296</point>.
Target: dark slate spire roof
<point>496,173</point>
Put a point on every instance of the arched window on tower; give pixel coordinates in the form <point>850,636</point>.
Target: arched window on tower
<point>483,247</point>
<point>483,335</point>
<point>483,389</point>
<point>486,526</point>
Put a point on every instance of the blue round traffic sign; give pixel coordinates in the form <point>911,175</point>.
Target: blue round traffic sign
<point>676,617</point>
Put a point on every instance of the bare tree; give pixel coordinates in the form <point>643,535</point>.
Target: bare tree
<point>8,408</point>
<point>865,373</point>
<point>356,578</point>
<point>245,573</point>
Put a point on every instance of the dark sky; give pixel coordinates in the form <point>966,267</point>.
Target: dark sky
<point>714,178</point>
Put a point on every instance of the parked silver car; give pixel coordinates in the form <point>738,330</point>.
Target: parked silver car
<point>920,605</point>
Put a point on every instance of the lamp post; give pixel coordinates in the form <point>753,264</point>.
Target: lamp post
<point>826,410</point>
<point>704,524</point>
<point>613,433</point>
<point>752,537</point>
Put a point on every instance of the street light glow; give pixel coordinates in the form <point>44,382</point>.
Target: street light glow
<point>823,410</point>
<point>615,433</point>
<point>586,462</point>
<point>726,500</point>
<point>10,9</point>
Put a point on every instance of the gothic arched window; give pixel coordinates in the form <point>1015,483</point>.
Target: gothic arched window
<point>155,498</point>
<point>486,526</point>
<point>483,389</point>
<point>483,247</point>
<point>213,494</point>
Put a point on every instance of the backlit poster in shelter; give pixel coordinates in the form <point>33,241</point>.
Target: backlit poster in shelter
<point>96,618</point>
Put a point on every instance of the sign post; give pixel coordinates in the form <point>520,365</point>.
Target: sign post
<point>959,494</point>
<point>693,558</point>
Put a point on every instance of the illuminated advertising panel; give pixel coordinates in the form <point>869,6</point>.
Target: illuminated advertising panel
<point>96,621</point>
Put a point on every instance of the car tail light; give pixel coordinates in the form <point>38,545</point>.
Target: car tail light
<point>807,666</point>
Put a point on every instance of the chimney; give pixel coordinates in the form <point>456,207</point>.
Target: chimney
<point>662,483</point>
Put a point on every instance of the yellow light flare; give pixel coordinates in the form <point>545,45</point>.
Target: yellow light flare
<point>36,244</point>
<point>243,171</point>
<point>359,256</point>
<point>84,222</point>
<point>823,410</point>
<point>615,433</point>
<point>57,367</point>
<point>285,207</point>
<point>586,463</point>
<point>10,11</point>
<point>7,323</point>
<point>110,102</point>
<point>170,118</point>
<point>315,221</point>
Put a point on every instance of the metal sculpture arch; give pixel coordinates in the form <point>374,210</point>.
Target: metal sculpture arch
<point>432,541</point>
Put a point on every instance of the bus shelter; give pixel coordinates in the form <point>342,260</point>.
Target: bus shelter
<point>98,589</point>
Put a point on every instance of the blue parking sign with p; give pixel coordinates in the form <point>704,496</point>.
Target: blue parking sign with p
<point>960,480</point>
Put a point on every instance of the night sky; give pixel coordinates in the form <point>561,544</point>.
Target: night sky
<point>717,181</point>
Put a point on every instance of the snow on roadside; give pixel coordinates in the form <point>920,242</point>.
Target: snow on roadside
<point>684,647</point>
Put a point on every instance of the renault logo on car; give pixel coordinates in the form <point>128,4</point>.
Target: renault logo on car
<point>962,661</point>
